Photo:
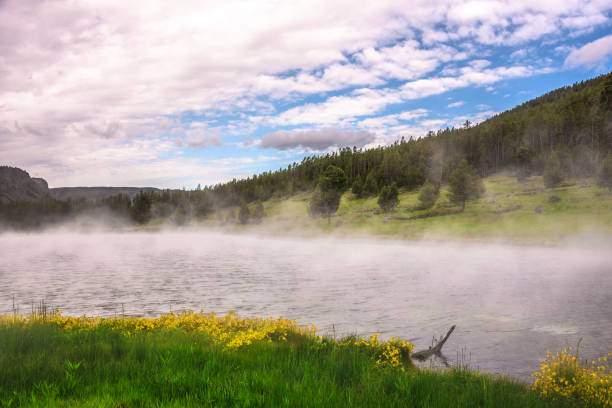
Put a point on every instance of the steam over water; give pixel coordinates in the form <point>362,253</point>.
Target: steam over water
<point>510,304</point>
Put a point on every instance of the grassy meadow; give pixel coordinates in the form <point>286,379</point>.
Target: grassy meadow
<point>509,211</point>
<point>200,360</point>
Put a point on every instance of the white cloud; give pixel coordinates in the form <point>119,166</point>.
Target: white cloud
<point>343,110</point>
<point>584,21</point>
<point>564,49</point>
<point>479,63</point>
<point>456,104</point>
<point>200,138</point>
<point>519,54</point>
<point>101,77</point>
<point>315,139</point>
<point>432,124</point>
<point>337,109</point>
<point>413,114</point>
<point>590,54</point>
<point>381,122</point>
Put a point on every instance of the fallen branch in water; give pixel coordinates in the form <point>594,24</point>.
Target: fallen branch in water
<point>423,354</point>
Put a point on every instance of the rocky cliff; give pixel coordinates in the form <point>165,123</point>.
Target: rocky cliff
<point>17,185</point>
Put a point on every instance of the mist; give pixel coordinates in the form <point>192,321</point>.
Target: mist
<point>510,303</point>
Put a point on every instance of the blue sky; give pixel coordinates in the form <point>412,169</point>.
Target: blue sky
<point>172,95</point>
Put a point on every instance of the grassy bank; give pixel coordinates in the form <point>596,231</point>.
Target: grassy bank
<point>202,360</point>
<point>509,211</point>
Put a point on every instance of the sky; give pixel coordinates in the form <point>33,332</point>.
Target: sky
<point>172,94</point>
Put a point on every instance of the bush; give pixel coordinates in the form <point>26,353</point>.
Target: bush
<point>563,375</point>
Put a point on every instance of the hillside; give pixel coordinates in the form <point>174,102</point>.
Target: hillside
<point>17,185</point>
<point>575,122</point>
<point>509,211</point>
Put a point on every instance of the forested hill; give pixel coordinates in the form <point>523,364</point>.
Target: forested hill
<point>96,193</point>
<point>573,121</point>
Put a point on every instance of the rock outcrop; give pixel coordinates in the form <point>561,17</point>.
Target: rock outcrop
<point>17,185</point>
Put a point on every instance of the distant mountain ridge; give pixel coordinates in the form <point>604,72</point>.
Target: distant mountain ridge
<point>96,193</point>
<point>17,185</point>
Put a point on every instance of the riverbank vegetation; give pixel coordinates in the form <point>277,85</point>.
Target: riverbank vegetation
<point>197,359</point>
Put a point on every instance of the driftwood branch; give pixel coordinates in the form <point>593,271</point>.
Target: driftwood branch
<point>423,354</point>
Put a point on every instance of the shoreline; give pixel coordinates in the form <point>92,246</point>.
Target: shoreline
<point>128,361</point>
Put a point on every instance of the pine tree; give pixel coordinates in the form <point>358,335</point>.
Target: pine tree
<point>357,187</point>
<point>604,177</point>
<point>523,163</point>
<point>553,173</point>
<point>370,187</point>
<point>141,207</point>
<point>326,197</point>
<point>244,214</point>
<point>258,212</point>
<point>388,198</point>
<point>465,184</point>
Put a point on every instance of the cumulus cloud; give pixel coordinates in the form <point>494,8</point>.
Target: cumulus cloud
<point>316,139</point>
<point>200,138</point>
<point>335,109</point>
<point>590,54</point>
<point>88,77</point>
<point>381,122</point>
<point>456,104</point>
<point>345,109</point>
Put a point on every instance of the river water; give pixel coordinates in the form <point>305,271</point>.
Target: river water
<point>510,303</point>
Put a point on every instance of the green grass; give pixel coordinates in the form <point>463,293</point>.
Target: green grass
<point>45,366</point>
<point>584,209</point>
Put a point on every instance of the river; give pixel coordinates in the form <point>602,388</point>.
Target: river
<point>510,303</point>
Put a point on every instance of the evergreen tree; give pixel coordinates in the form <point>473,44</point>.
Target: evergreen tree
<point>357,187</point>
<point>180,215</point>
<point>428,195</point>
<point>244,214</point>
<point>141,207</point>
<point>464,184</point>
<point>604,177</point>
<point>258,212</point>
<point>388,198</point>
<point>326,197</point>
<point>553,173</point>
<point>370,187</point>
<point>523,163</point>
